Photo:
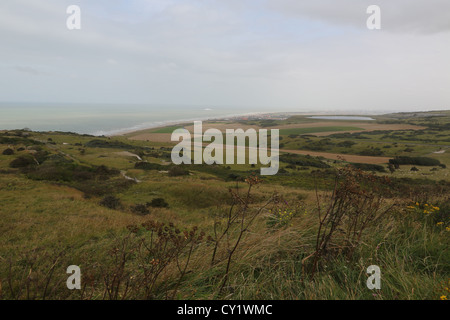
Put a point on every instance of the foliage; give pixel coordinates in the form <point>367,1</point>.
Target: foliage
<point>158,203</point>
<point>301,160</point>
<point>111,202</point>
<point>418,161</point>
<point>8,152</point>
<point>177,171</point>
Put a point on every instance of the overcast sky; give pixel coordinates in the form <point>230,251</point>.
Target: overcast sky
<point>283,54</point>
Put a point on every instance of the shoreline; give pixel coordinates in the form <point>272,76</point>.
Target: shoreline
<point>125,131</point>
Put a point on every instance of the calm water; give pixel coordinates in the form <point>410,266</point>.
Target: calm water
<point>342,118</point>
<point>104,119</point>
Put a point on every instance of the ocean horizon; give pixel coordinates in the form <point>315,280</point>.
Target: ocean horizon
<point>107,119</point>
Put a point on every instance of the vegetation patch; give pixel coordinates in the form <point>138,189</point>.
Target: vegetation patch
<point>418,161</point>
<point>317,130</point>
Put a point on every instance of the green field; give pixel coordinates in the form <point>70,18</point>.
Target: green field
<point>166,129</point>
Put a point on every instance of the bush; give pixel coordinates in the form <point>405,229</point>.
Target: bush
<point>304,161</point>
<point>234,177</point>
<point>158,203</point>
<point>111,202</point>
<point>22,162</point>
<point>369,167</point>
<point>8,152</point>
<point>178,171</point>
<point>416,161</point>
<point>140,209</point>
<point>371,152</point>
<point>149,166</point>
<point>346,144</point>
<point>97,143</point>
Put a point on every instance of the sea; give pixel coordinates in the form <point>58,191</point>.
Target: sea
<point>108,119</point>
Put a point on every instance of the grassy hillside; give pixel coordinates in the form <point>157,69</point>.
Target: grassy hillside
<point>142,228</point>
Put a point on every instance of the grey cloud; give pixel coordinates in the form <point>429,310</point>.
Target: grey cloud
<point>29,70</point>
<point>406,16</point>
<point>229,52</point>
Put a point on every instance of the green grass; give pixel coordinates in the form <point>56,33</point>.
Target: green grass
<point>167,129</point>
<point>44,220</point>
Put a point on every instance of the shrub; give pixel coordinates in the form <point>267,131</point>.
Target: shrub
<point>8,152</point>
<point>417,161</point>
<point>105,171</point>
<point>149,166</point>
<point>346,144</point>
<point>22,162</point>
<point>140,209</point>
<point>178,171</point>
<point>158,203</point>
<point>369,167</point>
<point>372,152</point>
<point>301,160</point>
<point>234,177</point>
<point>97,143</point>
<point>111,202</point>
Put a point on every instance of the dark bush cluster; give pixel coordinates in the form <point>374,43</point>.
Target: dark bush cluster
<point>304,161</point>
<point>417,161</point>
<point>98,143</point>
<point>111,202</point>
<point>158,203</point>
<point>149,166</point>
<point>177,171</point>
<point>372,152</point>
<point>369,167</point>
<point>140,209</point>
<point>8,152</point>
<point>22,162</point>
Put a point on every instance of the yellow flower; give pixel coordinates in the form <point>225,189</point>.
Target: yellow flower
<point>417,204</point>
<point>439,223</point>
<point>447,228</point>
<point>443,297</point>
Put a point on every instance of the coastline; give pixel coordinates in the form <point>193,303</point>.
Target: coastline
<point>162,124</point>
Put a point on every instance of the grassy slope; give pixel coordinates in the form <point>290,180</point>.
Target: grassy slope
<point>410,248</point>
